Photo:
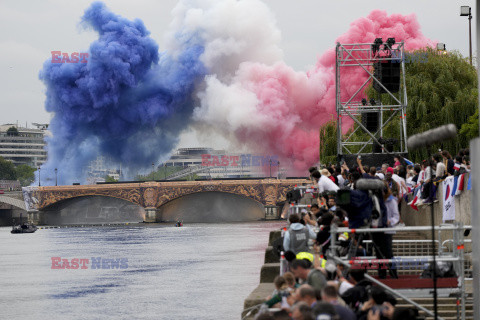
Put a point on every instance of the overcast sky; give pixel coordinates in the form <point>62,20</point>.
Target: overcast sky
<point>30,30</point>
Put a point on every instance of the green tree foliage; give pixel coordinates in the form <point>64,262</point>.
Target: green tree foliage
<point>441,89</point>
<point>328,142</point>
<point>110,179</point>
<point>25,174</point>
<point>469,130</point>
<point>12,131</point>
<point>7,170</point>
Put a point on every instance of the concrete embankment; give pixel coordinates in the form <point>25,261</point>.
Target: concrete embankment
<point>268,272</point>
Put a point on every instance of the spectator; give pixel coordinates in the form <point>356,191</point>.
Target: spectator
<point>330,295</point>
<point>357,295</point>
<point>440,172</point>
<point>338,174</point>
<point>392,184</point>
<point>323,236</point>
<point>448,161</point>
<point>332,176</point>
<point>373,173</point>
<point>297,235</point>
<point>380,173</point>
<point>384,168</point>
<point>377,298</point>
<point>302,311</point>
<point>458,163</point>
<point>324,183</point>
<point>311,170</point>
<point>314,277</point>
<point>324,310</point>
<point>290,280</point>
<point>306,293</point>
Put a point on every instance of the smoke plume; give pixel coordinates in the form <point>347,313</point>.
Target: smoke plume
<point>221,70</point>
<point>290,106</point>
<point>128,103</point>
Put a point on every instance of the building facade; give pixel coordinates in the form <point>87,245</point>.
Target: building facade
<point>23,145</point>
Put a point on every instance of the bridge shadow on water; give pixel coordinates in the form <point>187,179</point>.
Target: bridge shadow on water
<point>198,207</point>
<point>212,207</point>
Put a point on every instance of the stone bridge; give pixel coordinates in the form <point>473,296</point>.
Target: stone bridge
<point>152,195</point>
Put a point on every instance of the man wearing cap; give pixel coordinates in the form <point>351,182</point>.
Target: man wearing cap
<point>392,184</point>
<point>324,183</point>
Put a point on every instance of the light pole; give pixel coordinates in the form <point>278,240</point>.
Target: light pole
<point>466,11</point>
<point>270,168</point>
<point>165,171</point>
<point>56,170</point>
<point>153,171</point>
<point>39,176</point>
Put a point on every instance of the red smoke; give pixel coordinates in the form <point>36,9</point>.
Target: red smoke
<point>296,104</point>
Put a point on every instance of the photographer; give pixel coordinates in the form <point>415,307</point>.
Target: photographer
<point>366,208</point>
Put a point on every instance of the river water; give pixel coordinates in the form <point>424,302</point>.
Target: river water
<point>199,271</point>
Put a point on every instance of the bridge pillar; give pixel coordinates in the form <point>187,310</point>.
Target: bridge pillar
<point>271,212</point>
<point>34,217</point>
<point>150,215</point>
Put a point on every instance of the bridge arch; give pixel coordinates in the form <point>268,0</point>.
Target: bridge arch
<point>92,209</point>
<point>20,204</point>
<point>211,206</point>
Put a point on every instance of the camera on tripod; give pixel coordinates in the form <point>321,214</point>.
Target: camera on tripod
<point>363,205</point>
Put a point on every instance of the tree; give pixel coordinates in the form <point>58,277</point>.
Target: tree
<point>469,130</point>
<point>7,170</point>
<point>328,142</point>
<point>110,179</point>
<point>12,131</point>
<point>25,174</point>
<point>440,90</point>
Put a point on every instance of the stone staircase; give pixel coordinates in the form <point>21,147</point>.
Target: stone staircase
<point>447,307</point>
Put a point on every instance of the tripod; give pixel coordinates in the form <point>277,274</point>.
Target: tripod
<point>380,254</point>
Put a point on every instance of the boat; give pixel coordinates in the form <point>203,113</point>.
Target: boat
<point>24,228</point>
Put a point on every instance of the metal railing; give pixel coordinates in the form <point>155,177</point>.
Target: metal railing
<point>457,257</point>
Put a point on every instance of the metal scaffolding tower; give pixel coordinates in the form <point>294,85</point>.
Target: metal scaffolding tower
<point>368,59</point>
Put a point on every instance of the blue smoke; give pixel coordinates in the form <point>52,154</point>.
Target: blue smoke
<point>128,103</point>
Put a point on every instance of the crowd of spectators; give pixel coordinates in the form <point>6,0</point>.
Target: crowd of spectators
<point>316,287</point>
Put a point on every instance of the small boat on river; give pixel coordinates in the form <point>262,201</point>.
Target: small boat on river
<point>24,228</point>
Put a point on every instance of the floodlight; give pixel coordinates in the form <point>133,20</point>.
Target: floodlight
<point>441,46</point>
<point>465,11</point>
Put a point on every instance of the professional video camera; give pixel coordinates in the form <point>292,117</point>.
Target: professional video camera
<point>364,205</point>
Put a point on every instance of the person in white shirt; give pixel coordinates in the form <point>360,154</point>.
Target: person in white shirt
<point>441,169</point>
<point>324,183</point>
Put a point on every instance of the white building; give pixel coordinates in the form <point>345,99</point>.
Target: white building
<point>208,163</point>
<point>23,145</point>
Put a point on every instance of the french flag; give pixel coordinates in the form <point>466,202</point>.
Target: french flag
<point>458,185</point>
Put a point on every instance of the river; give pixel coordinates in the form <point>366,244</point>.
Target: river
<point>199,271</point>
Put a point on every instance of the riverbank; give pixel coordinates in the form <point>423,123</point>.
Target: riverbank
<point>269,270</point>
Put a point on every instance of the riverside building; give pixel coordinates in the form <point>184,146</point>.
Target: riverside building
<point>23,145</point>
